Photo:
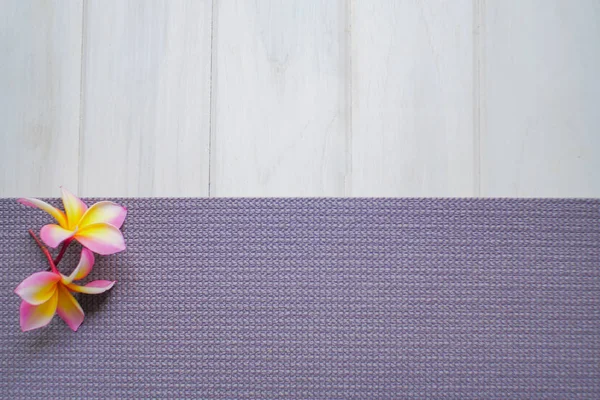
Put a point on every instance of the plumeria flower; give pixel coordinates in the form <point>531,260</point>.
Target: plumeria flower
<point>49,292</point>
<point>97,227</point>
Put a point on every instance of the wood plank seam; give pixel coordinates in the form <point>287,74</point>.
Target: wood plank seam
<point>478,90</point>
<point>348,95</point>
<point>80,164</point>
<point>211,130</point>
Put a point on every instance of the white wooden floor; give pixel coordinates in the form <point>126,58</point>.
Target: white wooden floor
<point>300,98</point>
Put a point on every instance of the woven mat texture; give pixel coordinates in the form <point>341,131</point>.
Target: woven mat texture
<point>320,298</point>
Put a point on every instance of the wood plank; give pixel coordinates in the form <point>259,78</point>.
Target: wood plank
<point>412,98</point>
<point>541,136</point>
<point>279,91</point>
<point>40,67</point>
<point>146,108</point>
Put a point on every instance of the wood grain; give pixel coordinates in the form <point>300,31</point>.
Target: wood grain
<point>412,98</point>
<point>279,93</point>
<point>541,137</point>
<point>300,98</point>
<point>146,98</point>
<point>40,64</point>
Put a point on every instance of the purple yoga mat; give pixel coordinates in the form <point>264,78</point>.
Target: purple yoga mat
<point>320,298</point>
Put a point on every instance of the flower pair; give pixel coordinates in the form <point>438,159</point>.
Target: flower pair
<point>46,293</point>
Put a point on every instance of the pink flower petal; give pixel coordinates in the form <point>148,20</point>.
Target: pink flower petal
<point>106,212</point>
<point>68,308</point>
<point>74,208</point>
<point>38,288</point>
<point>53,235</point>
<point>58,215</point>
<point>33,317</point>
<point>101,238</point>
<point>93,287</point>
<point>86,262</point>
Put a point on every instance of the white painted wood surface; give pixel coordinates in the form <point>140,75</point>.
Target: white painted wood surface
<point>146,98</point>
<point>412,98</point>
<point>300,98</point>
<point>279,118</point>
<point>40,65</point>
<point>542,117</point>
